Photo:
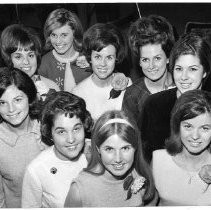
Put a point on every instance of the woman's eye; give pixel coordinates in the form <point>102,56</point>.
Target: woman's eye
<point>78,128</point>
<point>108,149</point>
<point>18,99</point>
<point>187,126</point>
<point>32,55</point>
<point>61,132</point>
<point>53,35</point>
<point>206,128</point>
<point>157,58</point>
<point>97,57</point>
<point>193,69</point>
<point>2,103</point>
<point>144,60</point>
<point>178,69</point>
<point>17,57</point>
<point>63,35</point>
<point>126,148</point>
<point>110,57</point>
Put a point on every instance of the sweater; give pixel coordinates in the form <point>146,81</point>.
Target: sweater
<point>47,180</point>
<point>99,191</point>
<point>15,154</point>
<point>177,186</point>
<point>55,70</point>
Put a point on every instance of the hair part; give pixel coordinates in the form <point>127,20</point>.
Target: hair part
<point>128,133</point>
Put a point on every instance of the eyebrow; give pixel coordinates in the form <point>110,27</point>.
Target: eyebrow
<point>77,124</point>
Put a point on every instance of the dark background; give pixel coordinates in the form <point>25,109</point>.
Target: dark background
<point>121,14</point>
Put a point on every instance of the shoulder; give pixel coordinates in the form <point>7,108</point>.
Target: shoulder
<point>137,88</point>
<point>161,153</point>
<point>42,159</point>
<point>48,55</point>
<point>83,85</point>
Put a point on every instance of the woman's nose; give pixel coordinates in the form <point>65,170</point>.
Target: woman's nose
<point>118,156</point>
<point>70,137</point>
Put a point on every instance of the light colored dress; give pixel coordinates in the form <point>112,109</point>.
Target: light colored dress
<point>176,186</point>
<point>47,180</point>
<point>97,98</point>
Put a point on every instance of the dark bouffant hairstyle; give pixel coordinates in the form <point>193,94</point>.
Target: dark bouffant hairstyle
<point>63,102</point>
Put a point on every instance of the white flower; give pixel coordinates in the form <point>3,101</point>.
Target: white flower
<point>82,62</point>
<point>42,88</point>
<point>137,184</point>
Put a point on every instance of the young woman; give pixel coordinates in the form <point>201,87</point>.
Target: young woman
<point>104,47</point>
<point>64,122</point>
<point>190,63</point>
<point>21,48</point>
<point>182,171</point>
<point>151,40</point>
<point>117,175</point>
<point>20,140</point>
<point>63,34</point>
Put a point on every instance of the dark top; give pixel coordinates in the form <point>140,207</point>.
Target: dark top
<point>155,120</point>
<point>134,98</point>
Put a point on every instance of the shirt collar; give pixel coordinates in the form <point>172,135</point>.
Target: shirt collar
<point>11,138</point>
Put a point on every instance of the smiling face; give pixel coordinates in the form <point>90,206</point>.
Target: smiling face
<point>117,156</point>
<point>25,60</point>
<point>196,133</point>
<point>188,73</point>
<point>14,106</point>
<point>103,63</point>
<point>153,61</point>
<point>62,41</point>
<point>68,136</point>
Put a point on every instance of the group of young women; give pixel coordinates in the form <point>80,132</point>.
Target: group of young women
<point>77,133</point>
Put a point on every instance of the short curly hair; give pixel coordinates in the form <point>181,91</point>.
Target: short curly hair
<point>153,29</point>
<point>100,36</point>
<point>63,102</point>
<point>61,17</point>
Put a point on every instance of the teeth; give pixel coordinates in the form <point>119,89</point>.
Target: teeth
<point>195,144</point>
<point>118,166</point>
<point>185,86</point>
<point>13,116</point>
<point>72,147</point>
<point>26,69</point>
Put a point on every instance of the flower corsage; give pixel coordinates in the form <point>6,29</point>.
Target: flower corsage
<point>42,89</point>
<point>119,83</point>
<point>82,62</point>
<point>133,185</point>
<point>205,175</point>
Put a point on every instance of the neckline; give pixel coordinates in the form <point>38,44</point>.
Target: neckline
<point>65,60</point>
